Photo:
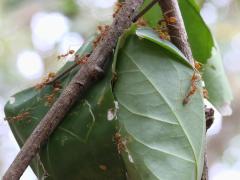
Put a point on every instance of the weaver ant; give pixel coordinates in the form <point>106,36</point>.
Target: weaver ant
<point>56,88</point>
<point>193,88</point>
<point>121,144</point>
<point>141,22</point>
<point>103,29</point>
<point>162,30</point>
<point>117,8</point>
<point>83,60</point>
<point>45,80</point>
<point>19,117</point>
<point>65,55</point>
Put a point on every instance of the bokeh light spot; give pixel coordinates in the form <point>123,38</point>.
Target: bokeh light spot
<point>48,29</point>
<point>30,65</point>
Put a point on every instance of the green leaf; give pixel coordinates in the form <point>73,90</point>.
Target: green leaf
<point>195,4</point>
<point>203,45</point>
<point>199,35</point>
<point>154,15</point>
<point>149,34</point>
<point>206,51</point>
<point>216,82</point>
<point>82,146</point>
<point>163,138</point>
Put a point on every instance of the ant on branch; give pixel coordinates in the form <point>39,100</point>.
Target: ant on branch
<point>164,24</point>
<point>45,81</point>
<point>102,29</point>
<point>170,20</point>
<point>117,8</point>
<point>83,60</point>
<point>141,22</point>
<point>56,88</point>
<point>193,87</point>
<point>162,30</point>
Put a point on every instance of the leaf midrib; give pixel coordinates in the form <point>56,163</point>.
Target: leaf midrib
<point>168,104</point>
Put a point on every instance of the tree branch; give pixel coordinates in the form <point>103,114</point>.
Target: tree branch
<point>178,34</point>
<point>87,75</point>
<point>176,27</point>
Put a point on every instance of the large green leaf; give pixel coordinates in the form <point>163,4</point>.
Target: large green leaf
<point>82,146</point>
<point>164,139</point>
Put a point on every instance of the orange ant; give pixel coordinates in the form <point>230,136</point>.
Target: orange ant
<point>169,19</point>
<point>19,117</point>
<point>197,65</point>
<point>117,8</point>
<point>65,55</point>
<point>83,60</point>
<point>196,77</point>
<point>121,144</point>
<point>205,93</point>
<point>56,88</point>
<point>162,30</point>
<point>193,88</point>
<point>163,26</point>
<point>103,29</point>
<point>45,80</point>
<point>141,22</point>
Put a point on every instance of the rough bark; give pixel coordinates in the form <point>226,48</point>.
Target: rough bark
<point>176,29</point>
<point>87,75</point>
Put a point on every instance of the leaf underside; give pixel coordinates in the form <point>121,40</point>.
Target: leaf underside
<point>164,139</point>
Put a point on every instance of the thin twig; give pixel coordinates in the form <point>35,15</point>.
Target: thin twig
<point>88,74</point>
<point>176,28</point>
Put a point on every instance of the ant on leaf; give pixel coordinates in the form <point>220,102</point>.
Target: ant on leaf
<point>193,85</point>
<point>120,142</point>
<point>19,117</point>
<point>70,52</point>
<point>45,81</point>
